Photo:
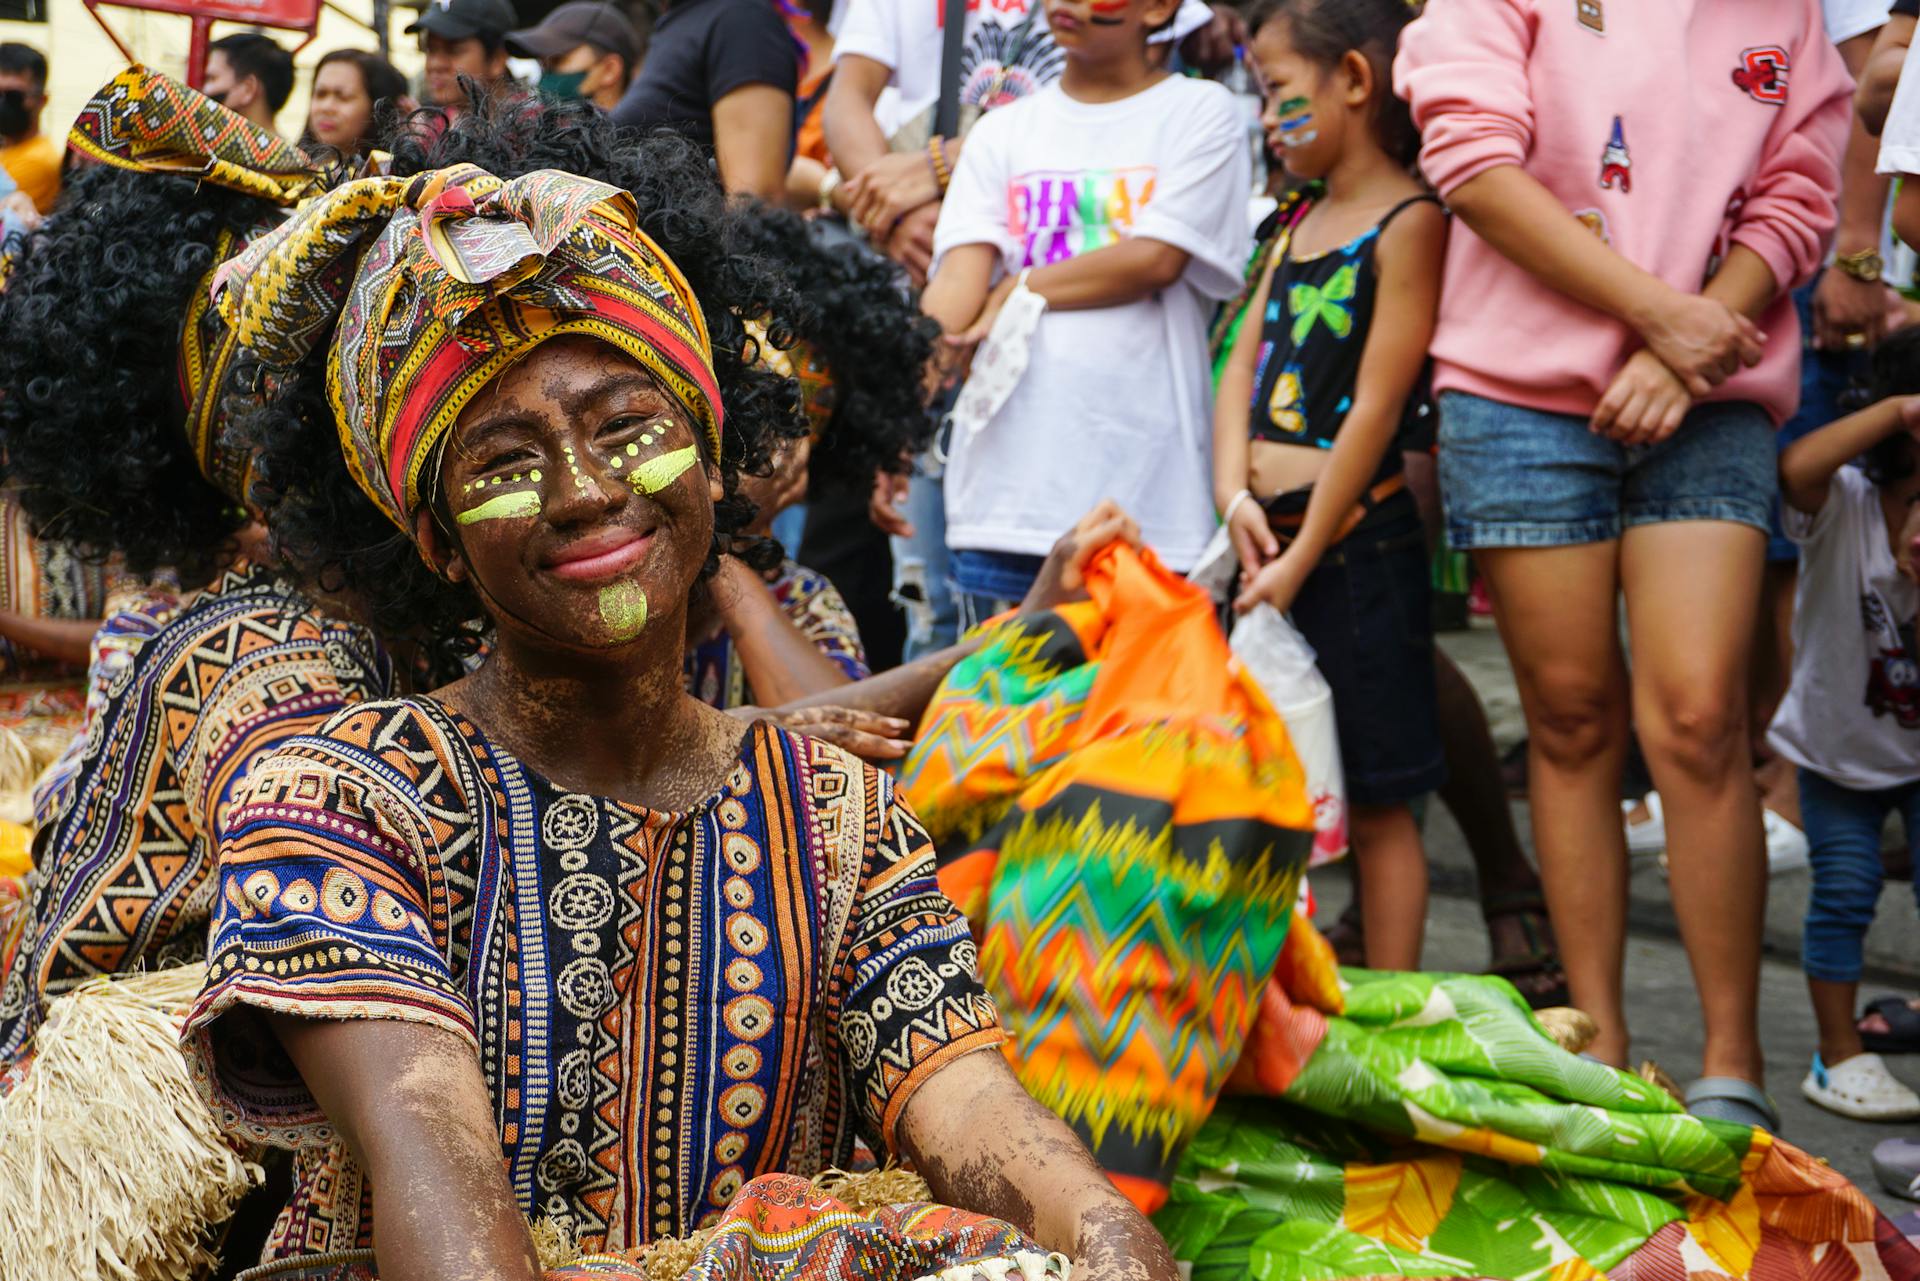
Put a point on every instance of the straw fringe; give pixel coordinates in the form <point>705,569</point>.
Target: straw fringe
<point>112,1166</point>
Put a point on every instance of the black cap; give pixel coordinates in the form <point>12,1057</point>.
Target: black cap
<point>461,19</point>
<point>573,24</point>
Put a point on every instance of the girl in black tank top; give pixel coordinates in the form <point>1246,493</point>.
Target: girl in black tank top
<point>1329,355</point>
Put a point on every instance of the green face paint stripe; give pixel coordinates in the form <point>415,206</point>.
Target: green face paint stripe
<point>502,506</point>
<point>623,607</point>
<point>656,474</point>
<point>1292,105</point>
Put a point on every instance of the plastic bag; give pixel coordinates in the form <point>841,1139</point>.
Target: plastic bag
<point>1278,657</point>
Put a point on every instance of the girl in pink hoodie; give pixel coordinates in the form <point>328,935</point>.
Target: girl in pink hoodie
<point>1638,187</point>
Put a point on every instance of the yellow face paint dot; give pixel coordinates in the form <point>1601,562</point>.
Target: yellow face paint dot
<point>633,451</point>
<point>618,462</point>
<point>623,608</point>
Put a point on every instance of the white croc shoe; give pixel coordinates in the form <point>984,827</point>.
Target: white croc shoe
<point>1861,1088</point>
<point>1649,835</point>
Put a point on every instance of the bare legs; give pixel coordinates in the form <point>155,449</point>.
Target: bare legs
<point>1390,866</point>
<point>1556,611</point>
<point>1691,590</point>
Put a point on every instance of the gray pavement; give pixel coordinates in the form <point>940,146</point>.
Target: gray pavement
<point>1663,1008</point>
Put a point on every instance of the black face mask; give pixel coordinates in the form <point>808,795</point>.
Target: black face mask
<point>14,116</point>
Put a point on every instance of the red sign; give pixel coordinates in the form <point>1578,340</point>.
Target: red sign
<point>295,15</point>
<point>299,15</point>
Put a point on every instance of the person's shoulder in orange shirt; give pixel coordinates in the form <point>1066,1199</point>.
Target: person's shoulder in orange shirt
<point>35,166</point>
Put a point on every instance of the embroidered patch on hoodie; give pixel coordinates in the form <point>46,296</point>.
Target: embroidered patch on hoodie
<point>1590,16</point>
<point>1616,166</point>
<point>1763,74</point>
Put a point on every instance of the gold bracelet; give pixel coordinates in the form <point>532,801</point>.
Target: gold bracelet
<point>937,156</point>
<point>1864,265</point>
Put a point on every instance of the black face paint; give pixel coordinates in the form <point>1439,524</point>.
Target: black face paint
<point>1094,15</point>
<point>14,117</point>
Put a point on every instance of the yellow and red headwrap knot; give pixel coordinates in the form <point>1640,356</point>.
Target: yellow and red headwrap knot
<point>464,274</point>
<point>801,362</point>
<point>150,123</point>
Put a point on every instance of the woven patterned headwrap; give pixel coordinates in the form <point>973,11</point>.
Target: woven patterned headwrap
<point>465,275</point>
<point>150,123</point>
<point>801,362</point>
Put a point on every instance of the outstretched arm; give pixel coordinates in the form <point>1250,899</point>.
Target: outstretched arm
<point>65,639</point>
<point>905,691</point>
<point>412,1106</point>
<point>782,663</point>
<point>985,1145</point>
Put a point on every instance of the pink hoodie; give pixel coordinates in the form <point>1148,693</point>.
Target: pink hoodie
<point>1671,129</point>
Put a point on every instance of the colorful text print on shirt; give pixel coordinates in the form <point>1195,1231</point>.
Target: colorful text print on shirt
<point>513,504</point>
<point>1057,214</point>
<point>1295,123</point>
<point>623,608</point>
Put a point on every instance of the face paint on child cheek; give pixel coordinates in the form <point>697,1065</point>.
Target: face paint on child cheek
<point>1107,13</point>
<point>1295,123</point>
<point>515,504</point>
<point>623,608</point>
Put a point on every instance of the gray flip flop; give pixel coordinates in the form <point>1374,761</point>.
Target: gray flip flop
<point>1728,1098</point>
<point>1896,1163</point>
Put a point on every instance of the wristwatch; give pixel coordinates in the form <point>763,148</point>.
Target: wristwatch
<point>1863,266</point>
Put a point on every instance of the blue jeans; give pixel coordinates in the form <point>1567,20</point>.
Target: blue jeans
<point>1517,477</point>
<point>921,580</point>
<point>989,583</point>
<point>1843,831</point>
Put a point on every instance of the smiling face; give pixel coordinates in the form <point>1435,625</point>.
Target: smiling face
<point>581,507</point>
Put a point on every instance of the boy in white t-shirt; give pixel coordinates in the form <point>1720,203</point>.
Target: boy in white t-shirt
<point>1851,717</point>
<point>1115,199</point>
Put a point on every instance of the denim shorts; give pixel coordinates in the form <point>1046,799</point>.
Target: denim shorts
<point>1515,477</point>
<point>1367,610</point>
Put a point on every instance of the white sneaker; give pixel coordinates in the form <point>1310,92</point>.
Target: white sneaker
<point>1861,1088</point>
<point>1648,835</point>
<point>1786,845</point>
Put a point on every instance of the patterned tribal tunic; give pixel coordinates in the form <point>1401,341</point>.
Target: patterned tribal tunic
<point>123,865</point>
<point>664,1004</point>
<point>812,604</point>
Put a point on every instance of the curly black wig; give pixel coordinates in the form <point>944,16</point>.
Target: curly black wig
<point>331,533</point>
<point>91,421</point>
<point>860,315</point>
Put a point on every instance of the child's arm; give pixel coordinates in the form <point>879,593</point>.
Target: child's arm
<point>1408,260</point>
<point>1808,464</point>
<point>959,288</point>
<point>1232,403</point>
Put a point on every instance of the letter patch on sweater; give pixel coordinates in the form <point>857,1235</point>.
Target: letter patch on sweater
<point>1616,166</point>
<point>1763,74</point>
<point>1590,16</point>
